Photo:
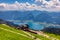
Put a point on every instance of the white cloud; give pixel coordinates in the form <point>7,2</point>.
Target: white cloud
<point>53,5</point>
<point>17,6</point>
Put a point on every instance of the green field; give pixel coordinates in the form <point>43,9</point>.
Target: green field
<point>9,33</point>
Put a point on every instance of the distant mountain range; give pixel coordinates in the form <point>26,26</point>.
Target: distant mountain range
<point>36,16</point>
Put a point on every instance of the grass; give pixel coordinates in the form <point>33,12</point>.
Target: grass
<point>53,35</point>
<point>6,35</point>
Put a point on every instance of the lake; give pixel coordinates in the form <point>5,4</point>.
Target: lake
<point>32,25</point>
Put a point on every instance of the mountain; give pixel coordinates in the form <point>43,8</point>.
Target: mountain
<point>36,16</point>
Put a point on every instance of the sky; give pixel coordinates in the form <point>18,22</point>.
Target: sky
<point>29,5</point>
<point>12,1</point>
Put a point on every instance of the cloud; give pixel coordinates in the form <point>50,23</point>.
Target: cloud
<point>41,5</point>
<point>17,6</point>
<point>52,5</point>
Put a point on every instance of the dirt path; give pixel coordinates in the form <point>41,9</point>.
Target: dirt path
<point>33,37</point>
<point>28,34</point>
<point>45,35</point>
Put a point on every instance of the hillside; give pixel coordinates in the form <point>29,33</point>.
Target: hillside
<point>8,33</point>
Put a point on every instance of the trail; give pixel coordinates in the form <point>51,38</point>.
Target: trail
<point>14,32</point>
<point>28,34</point>
<point>31,36</point>
<point>45,35</point>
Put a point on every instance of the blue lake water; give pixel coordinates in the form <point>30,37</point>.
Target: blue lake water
<point>35,26</point>
<point>32,25</point>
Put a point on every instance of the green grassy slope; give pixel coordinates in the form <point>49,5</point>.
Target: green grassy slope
<point>9,33</point>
